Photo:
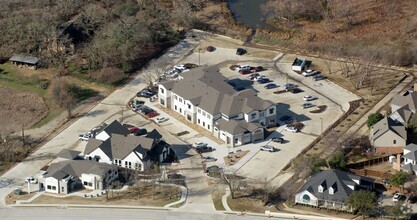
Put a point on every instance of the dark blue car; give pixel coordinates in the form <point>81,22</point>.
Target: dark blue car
<point>271,86</point>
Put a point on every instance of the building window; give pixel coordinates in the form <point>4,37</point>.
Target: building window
<point>189,117</point>
<point>162,90</point>
<point>204,124</point>
<point>204,113</point>
<point>85,183</point>
<point>253,115</point>
<point>236,140</point>
<point>130,165</point>
<point>180,110</point>
<point>208,116</point>
<point>53,187</point>
<point>320,189</point>
<point>208,126</point>
<point>90,184</point>
<point>199,111</point>
<point>175,107</point>
<point>198,121</point>
<point>306,198</point>
<point>48,187</point>
<point>175,97</point>
<point>189,106</point>
<point>394,141</point>
<point>180,99</point>
<point>162,102</point>
<point>271,111</point>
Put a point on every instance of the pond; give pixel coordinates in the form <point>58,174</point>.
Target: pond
<point>248,12</point>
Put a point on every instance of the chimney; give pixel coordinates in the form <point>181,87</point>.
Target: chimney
<point>398,165</point>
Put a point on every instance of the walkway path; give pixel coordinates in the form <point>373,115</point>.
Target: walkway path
<point>224,201</point>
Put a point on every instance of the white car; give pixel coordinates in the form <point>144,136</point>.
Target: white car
<point>259,77</point>
<point>31,180</point>
<point>85,137</point>
<point>309,73</point>
<point>397,197</point>
<point>291,129</point>
<point>309,98</point>
<point>199,144</point>
<point>209,159</point>
<point>180,67</point>
<point>268,148</point>
<point>161,119</point>
<point>243,68</point>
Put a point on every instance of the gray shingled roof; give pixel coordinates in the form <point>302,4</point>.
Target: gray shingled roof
<point>410,99</point>
<point>387,124</point>
<point>119,146</point>
<point>236,126</point>
<point>208,89</point>
<point>409,167</point>
<point>116,128</point>
<point>25,59</point>
<point>336,178</point>
<point>412,155</point>
<point>405,112</point>
<point>68,154</point>
<point>66,168</point>
<point>154,134</point>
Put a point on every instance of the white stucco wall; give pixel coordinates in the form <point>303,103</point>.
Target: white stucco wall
<point>299,198</point>
<point>99,153</point>
<point>102,136</point>
<point>133,157</point>
<point>50,181</point>
<point>387,140</point>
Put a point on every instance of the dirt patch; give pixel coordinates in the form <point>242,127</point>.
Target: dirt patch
<point>148,196</point>
<point>12,198</point>
<point>234,157</point>
<point>20,108</point>
<point>248,203</point>
<point>320,109</point>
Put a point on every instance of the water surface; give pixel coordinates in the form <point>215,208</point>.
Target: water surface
<point>248,12</point>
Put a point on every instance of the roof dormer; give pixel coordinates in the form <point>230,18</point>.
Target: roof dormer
<point>322,187</point>
<point>333,189</point>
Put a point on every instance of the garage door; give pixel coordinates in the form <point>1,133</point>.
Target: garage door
<point>257,135</point>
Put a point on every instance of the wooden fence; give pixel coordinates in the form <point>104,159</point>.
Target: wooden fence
<point>373,173</point>
<point>370,162</point>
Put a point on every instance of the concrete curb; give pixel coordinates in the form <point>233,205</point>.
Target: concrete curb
<point>183,196</point>
<point>88,206</point>
<point>224,200</point>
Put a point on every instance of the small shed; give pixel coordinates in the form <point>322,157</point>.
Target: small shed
<point>300,64</point>
<point>25,61</point>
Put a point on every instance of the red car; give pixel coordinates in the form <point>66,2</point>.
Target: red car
<point>133,130</point>
<point>244,72</point>
<point>152,114</point>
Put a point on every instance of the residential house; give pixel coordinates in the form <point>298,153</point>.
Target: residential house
<point>204,97</point>
<point>331,188</point>
<point>408,99</point>
<point>128,151</point>
<point>113,128</point>
<point>402,115</point>
<point>66,176</point>
<point>388,136</point>
<point>25,61</point>
<point>410,158</point>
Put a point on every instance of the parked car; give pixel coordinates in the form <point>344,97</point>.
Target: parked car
<point>259,77</point>
<point>268,148</point>
<point>143,94</point>
<point>291,129</point>
<point>412,199</point>
<point>161,119</point>
<point>396,197</point>
<point>385,181</point>
<point>85,137</point>
<point>259,69</point>
<point>309,73</point>
<point>152,114</point>
<point>271,86</point>
<point>263,80</point>
<point>253,76</point>
<point>133,130</point>
<point>141,132</point>
<point>180,67</point>
<point>31,180</point>
<point>318,77</point>
<point>289,86</point>
<point>240,51</point>
<point>204,149</point>
<point>210,48</point>
<point>199,144</point>
<point>295,90</point>
<point>209,159</point>
<point>309,98</point>
<point>242,67</point>
<point>278,140</point>
<point>213,169</point>
<point>244,72</point>
<point>307,105</point>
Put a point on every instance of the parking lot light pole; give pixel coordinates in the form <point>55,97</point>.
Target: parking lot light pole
<point>199,52</point>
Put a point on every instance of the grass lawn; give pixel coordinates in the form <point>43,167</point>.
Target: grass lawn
<point>217,199</point>
<point>248,204</point>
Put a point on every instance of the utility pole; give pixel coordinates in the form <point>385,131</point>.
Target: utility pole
<point>199,52</point>
<point>321,125</point>
<point>23,134</point>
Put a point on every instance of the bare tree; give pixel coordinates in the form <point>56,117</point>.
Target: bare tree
<point>62,94</point>
<point>328,64</point>
<point>233,181</point>
<point>153,73</point>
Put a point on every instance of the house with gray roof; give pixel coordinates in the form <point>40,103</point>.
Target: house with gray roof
<point>127,151</point>
<point>408,99</point>
<point>113,128</point>
<point>68,175</point>
<point>25,61</point>
<point>331,188</point>
<point>388,136</point>
<point>410,158</point>
<point>204,97</point>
